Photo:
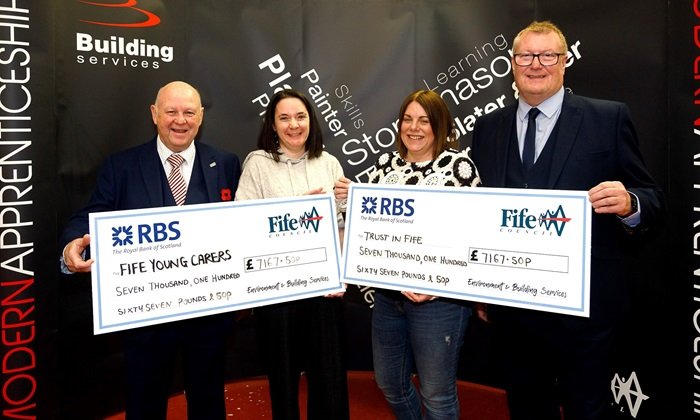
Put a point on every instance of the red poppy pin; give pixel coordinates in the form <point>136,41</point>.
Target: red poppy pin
<point>225,194</point>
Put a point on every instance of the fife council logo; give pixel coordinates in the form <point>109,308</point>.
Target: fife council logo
<point>523,221</point>
<point>115,50</point>
<point>285,225</point>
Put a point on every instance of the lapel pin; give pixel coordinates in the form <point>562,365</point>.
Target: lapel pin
<point>211,165</point>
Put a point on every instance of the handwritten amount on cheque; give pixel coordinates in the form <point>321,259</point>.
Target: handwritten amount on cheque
<point>475,256</point>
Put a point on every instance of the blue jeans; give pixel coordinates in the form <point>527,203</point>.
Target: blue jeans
<point>429,334</point>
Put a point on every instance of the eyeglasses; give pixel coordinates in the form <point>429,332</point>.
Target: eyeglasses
<point>545,59</point>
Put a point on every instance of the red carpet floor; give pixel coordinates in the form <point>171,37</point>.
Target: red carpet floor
<point>248,399</point>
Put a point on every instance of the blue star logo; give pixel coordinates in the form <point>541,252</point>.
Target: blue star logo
<point>369,205</point>
<point>122,236</point>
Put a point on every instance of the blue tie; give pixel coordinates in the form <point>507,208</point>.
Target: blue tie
<point>529,147</point>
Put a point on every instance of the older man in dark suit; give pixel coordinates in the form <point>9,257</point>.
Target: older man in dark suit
<point>171,169</point>
<point>573,143</point>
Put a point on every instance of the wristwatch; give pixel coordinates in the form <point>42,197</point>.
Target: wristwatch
<point>634,202</point>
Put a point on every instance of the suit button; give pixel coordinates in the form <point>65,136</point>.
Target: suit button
<point>524,185</point>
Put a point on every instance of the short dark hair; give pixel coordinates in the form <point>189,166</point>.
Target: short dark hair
<point>440,121</point>
<point>267,138</point>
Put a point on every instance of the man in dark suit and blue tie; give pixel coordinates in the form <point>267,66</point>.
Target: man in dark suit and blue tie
<point>573,143</point>
<point>142,177</point>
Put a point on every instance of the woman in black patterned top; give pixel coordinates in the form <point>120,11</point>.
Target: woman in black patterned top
<point>412,329</point>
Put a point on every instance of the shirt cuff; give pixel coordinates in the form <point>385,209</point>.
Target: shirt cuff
<point>64,267</point>
<point>635,218</point>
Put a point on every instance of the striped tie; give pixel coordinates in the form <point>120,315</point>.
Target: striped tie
<point>176,180</point>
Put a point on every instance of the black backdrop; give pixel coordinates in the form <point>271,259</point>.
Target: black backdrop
<point>69,97</point>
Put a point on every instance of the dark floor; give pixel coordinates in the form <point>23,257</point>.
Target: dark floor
<point>248,399</point>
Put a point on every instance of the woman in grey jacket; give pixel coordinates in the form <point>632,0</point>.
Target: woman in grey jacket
<point>306,335</point>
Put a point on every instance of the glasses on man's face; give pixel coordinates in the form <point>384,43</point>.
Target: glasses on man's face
<point>545,59</point>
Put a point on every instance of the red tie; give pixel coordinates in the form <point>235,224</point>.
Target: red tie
<point>176,180</point>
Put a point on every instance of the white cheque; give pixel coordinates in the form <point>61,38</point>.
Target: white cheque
<point>515,247</point>
<point>165,264</point>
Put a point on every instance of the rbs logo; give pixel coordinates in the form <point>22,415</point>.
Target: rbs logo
<point>396,207</point>
<point>388,206</point>
<point>157,232</point>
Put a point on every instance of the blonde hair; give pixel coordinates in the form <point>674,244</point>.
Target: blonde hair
<point>541,27</point>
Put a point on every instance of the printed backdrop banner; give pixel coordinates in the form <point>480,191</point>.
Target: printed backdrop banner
<point>77,78</point>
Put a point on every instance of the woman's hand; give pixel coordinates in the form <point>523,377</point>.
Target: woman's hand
<point>318,190</point>
<point>481,311</point>
<point>340,189</point>
<point>418,297</point>
<point>337,294</point>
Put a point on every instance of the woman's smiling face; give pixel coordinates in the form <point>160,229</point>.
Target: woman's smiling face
<point>292,126</point>
<point>417,134</point>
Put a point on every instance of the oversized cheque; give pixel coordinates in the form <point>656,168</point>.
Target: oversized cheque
<point>160,265</point>
<point>513,247</point>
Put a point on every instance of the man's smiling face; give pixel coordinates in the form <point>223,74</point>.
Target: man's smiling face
<point>177,113</point>
<point>537,82</point>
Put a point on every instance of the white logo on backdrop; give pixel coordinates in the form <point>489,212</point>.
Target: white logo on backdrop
<point>629,389</point>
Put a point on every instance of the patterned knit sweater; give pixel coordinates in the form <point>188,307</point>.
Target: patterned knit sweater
<point>450,168</point>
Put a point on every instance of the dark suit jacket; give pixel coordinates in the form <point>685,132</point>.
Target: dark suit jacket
<point>596,142</point>
<point>131,179</point>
